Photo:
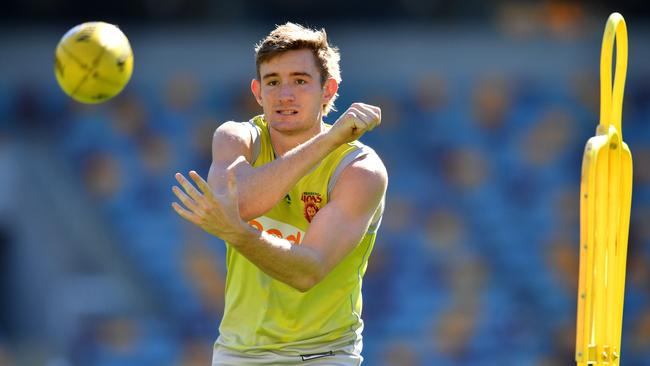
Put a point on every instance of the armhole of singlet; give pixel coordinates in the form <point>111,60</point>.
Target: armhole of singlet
<point>255,138</point>
<point>347,160</point>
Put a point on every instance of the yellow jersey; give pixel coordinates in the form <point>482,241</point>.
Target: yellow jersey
<point>263,314</point>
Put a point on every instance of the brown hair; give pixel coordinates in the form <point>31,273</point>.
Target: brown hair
<point>291,36</point>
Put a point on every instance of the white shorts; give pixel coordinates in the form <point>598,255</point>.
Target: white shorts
<point>223,356</point>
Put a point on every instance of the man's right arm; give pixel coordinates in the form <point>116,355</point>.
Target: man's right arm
<point>261,188</point>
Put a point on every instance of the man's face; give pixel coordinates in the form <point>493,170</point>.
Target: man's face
<point>290,91</point>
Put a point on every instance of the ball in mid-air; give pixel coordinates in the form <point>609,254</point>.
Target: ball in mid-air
<point>93,62</point>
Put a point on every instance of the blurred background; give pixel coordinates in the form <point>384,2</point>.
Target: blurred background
<point>486,107</point>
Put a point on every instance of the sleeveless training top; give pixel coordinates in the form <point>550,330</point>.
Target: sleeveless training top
<point>262,313</point>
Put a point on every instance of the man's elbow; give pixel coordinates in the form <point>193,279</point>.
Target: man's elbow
<point>251,210</point>
<point>308,281</point>
<point>305,284</point>
<point>246,214</point>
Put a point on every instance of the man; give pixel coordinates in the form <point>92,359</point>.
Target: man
<point>298,204</point>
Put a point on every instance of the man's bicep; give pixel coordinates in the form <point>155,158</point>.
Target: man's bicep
<point>231,142</point>
<point>341,224</point>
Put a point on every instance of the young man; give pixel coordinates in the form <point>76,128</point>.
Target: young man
<point>298,203</point>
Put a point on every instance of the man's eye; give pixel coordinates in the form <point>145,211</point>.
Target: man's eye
<point>301,81</point>
<point>272,83</point>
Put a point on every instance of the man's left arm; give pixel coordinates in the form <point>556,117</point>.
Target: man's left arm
<point>334,232</point>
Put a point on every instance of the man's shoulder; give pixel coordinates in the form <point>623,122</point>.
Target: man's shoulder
<point>239,130</point>
<point>362,184</point>
<point>366,168</point>
<point>367,158</point>
<point>235,127</point>
<point>235,137</point>
<point>369,164</point>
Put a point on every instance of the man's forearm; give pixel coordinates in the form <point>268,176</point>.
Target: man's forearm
<point>261,188</point>
<point>297,266</point>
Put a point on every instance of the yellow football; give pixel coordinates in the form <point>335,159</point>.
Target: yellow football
<point>93,62</point>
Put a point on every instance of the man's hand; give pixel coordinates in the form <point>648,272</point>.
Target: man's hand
<point>216,212</point>
<point>354,122</point>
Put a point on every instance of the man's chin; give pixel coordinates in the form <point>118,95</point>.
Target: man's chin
<point>294,123</point>
<point>285,126</point>
<point>288,121</point>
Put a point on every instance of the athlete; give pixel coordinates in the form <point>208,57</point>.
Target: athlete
<point>298,203</point>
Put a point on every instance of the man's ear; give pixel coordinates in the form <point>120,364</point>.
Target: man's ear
<point>256,88</point>
<point>329,90</point>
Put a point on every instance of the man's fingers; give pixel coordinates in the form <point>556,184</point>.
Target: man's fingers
<point>188,187</point>
<point>187,201</point>
<point>353,113</point>
<point>201,183</point>
<point>187,215</point>
<point>375,113</point>
<point>373,116</point>
<point>370,115</point>
<point>359,119</point>
<point>367,119</point>
<point>360,125</point>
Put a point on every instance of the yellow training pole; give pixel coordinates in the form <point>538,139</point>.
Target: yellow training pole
<point>605,203</point>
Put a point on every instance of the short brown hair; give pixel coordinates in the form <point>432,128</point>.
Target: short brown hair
<point>291,36</point>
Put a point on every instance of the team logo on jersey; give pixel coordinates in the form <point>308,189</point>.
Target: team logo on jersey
<point>312,202</point>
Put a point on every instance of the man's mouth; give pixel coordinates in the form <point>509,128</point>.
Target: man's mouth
<point>286,112</point>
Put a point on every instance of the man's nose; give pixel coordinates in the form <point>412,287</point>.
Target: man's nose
<point>286,92</point>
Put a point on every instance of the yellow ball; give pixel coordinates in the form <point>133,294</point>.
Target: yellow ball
<point>93,62</point>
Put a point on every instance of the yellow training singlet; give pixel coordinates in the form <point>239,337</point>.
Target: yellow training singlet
<point>262,313</point>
